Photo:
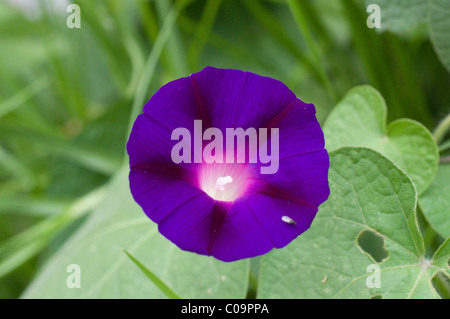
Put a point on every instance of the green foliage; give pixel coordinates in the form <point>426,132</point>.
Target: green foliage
<point>435,205</point>
<point>360,120</point>
<point>403,15</point>
<point>119,224</point>
<point>368,193</point>
<point>150,275</point>
<point>69,96</point>
<point>439,26</point>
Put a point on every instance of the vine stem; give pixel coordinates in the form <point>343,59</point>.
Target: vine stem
<point>442,129</point>
<point>444,160</point>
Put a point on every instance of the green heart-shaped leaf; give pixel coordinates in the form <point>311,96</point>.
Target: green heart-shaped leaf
<point>435,202</point>
<point>360,120</point>
<point>369,194</point>
<point>439,27</point>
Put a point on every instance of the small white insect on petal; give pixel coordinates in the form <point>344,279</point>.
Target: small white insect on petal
<point>288,220</point>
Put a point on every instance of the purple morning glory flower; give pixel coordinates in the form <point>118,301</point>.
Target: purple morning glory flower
<point>217,201</point>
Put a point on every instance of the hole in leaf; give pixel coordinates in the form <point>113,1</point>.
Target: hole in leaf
<point>372,244</point>
<point>377,296</point>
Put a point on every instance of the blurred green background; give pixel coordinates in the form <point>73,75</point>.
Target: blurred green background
<point>68,96</point>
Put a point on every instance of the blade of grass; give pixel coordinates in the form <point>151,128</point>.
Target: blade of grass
<point>410,91</point>
<point>203,31</point>
<point>66,75</point>
<point>228,47</point>
<point>31,116</point>
<point>152,60</point>
<point>26,102</point>
<point>174,45</point>
<point>89,158</point>
<point>300,18</point>
<point>112,49</point>
<point>73,211</point>
<point>276,30</point>
<point>366,42</point>
<point>122,12</point>
<point>149,20</point>
<point>33,206</point>
<point>16,168</point>
<point>151,27</point>
<point>137,63</point>
<point>17,259</point>
<point>165,289</point>
<point>23,95</point>
<point>15,251</point>
<point>317,26</point>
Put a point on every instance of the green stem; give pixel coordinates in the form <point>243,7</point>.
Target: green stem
<point>300,18</point>
<point>444,146</point>
<point>442,129</point>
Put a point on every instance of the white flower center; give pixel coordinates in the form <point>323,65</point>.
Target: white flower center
<point>222,181</point>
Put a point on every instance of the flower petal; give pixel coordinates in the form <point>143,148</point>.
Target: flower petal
<point>304,176</point>
<point>240,99</point>
<point>159,195</point>
<point>269,212</point>
<point>174,104</point>
<point>303,161</point>
<point>240,235</point>
<point>189,224</point>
